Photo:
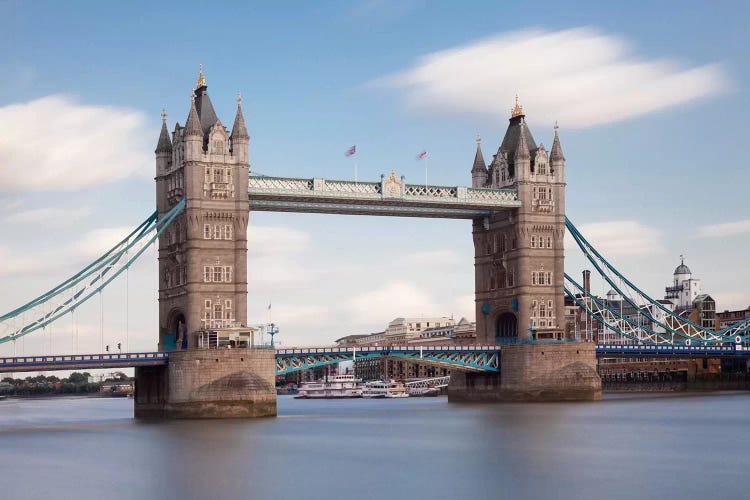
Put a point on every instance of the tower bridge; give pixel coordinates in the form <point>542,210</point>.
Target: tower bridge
<point>205,192</point>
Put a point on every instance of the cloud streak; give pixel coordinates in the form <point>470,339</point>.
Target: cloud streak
<point>69,145</point>
<point>581,77</point>
<point>619,238</point>
<point>725,229</point>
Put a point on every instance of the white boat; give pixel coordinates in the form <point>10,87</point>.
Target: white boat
<point>380,389</point>
<point>335,387</point>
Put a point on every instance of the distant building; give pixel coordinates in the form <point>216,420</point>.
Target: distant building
<point>726,318</point>
<point>684,289</point>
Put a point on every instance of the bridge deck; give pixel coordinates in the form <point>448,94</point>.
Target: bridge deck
<point>468,358</point>
<point>388,197</point>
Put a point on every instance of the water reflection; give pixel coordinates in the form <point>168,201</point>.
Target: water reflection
<point>688,447</point>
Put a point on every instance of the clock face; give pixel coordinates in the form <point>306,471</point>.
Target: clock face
<point>485,308</point>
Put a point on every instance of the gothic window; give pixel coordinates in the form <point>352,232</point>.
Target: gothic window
<point>217,310</point>
<point>535,192</point>
<point>542,309</point>
<point>502,243</point>
<point>533,241</point>
<point>228,304</point>
<point>207,274</point>
<point>207,304</point>
<point>207,231</point>
<point>502,172</point>
<point>549,242</point>
<point>216,232</point>
<point>218,147</point>
<point>227,274</point>
<point>217,274</point>
<point>533,277</point>
<point>549,306</point>
<point>549,279</point>
<point>549,190</point>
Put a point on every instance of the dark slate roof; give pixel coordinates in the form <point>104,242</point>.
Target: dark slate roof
<point>479,159</point>
<point>205,109</point>
<point>193,124</point>
<point>165,144</point>
<point>513,133</point>
<point>682,269</point>
<point>556,153</point>
<point>239,129</point>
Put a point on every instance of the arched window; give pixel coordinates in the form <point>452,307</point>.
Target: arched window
<point>533,277</point>
<point>533,241</point>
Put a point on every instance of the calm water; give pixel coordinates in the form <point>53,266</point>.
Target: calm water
<point>656,447</point>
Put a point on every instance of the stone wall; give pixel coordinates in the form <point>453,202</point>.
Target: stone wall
<point>209,383</point>
<point>534,372</point>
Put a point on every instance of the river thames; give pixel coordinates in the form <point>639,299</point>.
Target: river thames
<point>623,447</point>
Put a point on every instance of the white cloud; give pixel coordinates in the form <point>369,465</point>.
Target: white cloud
<point>725,229</point>
<point>619,238</point>
<point>17,264</point>
<point>731,300</point>
<point>275,240</point>
<point>581,77</point>
<point>435,259</point>
<point>95,242</point>
<point>48,216</point>
<point>399,297</point>
<point>69,145</point>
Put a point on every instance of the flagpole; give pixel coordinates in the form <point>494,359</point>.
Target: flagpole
<point>355,170</point>
<point>425,173</point>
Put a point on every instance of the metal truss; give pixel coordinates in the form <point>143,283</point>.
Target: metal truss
<point>426,383</point>
<point>388,197</point>
<point>465,358</point>
<point>92,279</point>
<point>677,327</point>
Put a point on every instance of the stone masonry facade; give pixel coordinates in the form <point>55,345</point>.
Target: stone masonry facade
<point>203,254</point>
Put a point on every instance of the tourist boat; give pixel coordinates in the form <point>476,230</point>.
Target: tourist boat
<point>335,387</point>
<point>380,389</point>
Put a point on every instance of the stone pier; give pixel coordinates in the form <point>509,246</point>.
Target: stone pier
<point>208,383</point>
<point>534,372</point>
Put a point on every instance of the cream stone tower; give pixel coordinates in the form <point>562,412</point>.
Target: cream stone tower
<point>519,254</point>
<point>203,254</point>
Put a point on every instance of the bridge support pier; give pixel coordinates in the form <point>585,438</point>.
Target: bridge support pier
<point>533,372</point>
<point>208,383</point>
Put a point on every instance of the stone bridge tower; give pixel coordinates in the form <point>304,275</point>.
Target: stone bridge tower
<point>519,255</point>
<point>203,254</point>
<point>518,261</point>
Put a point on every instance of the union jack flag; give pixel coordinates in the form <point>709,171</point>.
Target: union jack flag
<point>351,150</point>
<point>422,155</point>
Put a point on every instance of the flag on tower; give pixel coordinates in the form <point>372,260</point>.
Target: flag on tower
<point>422,155</point>
<point>351,150</point>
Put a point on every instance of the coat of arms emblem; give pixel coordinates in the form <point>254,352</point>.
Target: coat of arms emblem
<point>392,186</point>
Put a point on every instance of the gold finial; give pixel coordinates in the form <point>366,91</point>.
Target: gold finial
<point>201,82</point>
<point>517,109</point>
<point>164,115</point>
<point>239,98</point>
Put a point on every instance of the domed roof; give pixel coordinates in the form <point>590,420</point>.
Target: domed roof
<point>682,269</point>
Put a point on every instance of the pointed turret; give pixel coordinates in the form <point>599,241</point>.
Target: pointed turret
<point>165,143</point>
<point>193,125</point>
<point>239,129</point>
<point>522,147</point>
<point>479,170</point>
<point>556,154</point>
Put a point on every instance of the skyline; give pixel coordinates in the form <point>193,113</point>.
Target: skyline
<point>65,125</point>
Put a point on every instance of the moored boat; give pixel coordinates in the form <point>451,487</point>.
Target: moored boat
<point>335,387</point>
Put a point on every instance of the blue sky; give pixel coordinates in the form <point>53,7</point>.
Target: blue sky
<point>654,138</point>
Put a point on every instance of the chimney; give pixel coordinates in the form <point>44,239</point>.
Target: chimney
<point>587,280</point>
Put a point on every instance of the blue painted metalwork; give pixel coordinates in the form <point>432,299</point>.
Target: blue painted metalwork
<point>693,331</point>
<point>82,361</point>
<point>101,272</point>
<point>674,351</point>
<point>472,358</point>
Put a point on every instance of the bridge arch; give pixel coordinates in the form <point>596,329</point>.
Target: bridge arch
<point>506,328</point>
<point>175,336</point>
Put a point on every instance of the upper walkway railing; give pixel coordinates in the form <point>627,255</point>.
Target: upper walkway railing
<point>390,196</point>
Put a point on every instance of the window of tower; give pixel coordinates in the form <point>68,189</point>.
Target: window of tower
<point>549,242</point>
<point>228,232</point>
<point>228,304</point>
<point>207,274</point>
<point>207,231</point>
<point>533,241</point>
<point>542,168</point>
<point>207,303</point>
<point>502,243</point>
<point>533,277</point>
